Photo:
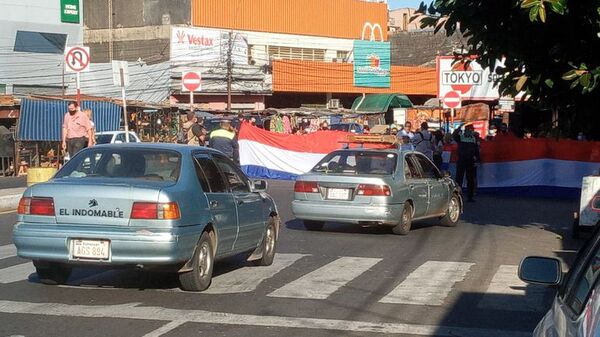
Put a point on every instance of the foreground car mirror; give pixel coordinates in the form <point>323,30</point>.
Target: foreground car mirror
<point>540,270</point>
<point>259,186</point>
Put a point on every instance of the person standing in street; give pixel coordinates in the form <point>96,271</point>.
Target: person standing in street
<point>423,141</point>
<point>90,114</point>
<point>468,158</point>
<point>224,139</point>
<point>407,131</point>
<point>76,130</point>
<point>195,134</point>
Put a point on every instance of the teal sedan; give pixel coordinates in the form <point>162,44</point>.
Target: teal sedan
<point>376,187</point>
<point>169,207</point>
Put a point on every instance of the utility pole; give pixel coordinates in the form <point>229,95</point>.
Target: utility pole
<point>229,70</point>
<point>110,30</point>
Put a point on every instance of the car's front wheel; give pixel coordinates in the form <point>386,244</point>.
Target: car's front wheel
<point>269,242</point>
<point>52,273</point>
<point>312,225</point>
<point>199,278</point>
<point>403,227</point>
<point>453,212</point>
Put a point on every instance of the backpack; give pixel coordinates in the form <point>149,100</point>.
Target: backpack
<point>430,140</point>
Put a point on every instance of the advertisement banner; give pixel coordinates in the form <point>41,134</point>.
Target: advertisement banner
<point>372,64</point>
<point>207,46</point>
<point>469,79</point>
<point>69,11</point>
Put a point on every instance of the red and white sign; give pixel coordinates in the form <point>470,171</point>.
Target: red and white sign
<point>206,46</point>
<point>468,78</point>
<point>191,81</point>
<point>77,59</point>
<point>452,100</point>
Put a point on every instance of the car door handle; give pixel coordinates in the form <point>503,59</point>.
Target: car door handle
<point>412,187</point>
<point>241,202</point>
<point>214,204</point>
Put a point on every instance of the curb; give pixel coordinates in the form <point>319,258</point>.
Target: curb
<point>10,200</point>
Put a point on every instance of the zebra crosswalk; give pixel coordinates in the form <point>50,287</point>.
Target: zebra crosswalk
<point>428,284</point>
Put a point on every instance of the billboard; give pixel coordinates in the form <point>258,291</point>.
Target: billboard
<point>372,64</point>
<point>207,46</point>
<point>469,79</point>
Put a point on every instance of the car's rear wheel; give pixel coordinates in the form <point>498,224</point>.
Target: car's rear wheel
<point>312,225</point>
<point>403,227</point>
<point>453,212</point>
<point>269,242</point>
<point>52,273</point>
<point>199,278</point>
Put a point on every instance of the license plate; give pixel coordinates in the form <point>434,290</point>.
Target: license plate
<point>338,193</point>
<point>90,249</point>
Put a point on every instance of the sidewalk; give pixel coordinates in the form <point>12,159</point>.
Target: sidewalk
<point>11,189</point>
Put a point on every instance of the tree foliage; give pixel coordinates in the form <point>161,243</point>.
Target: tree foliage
<point>551,48</point>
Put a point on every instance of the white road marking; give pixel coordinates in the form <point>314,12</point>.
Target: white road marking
<point>507,292</point>
<point>16,273</point>
<point>7,251</point>
<point>324,281</point>
<point>165,328</point>
<point>429,284</point>
<point>135,311</point>
<point>247,279</point>
<point>8,212</point>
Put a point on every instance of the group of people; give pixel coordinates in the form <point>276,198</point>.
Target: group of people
<point>223,138</point>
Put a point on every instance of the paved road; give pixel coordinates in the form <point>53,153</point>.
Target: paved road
<point>342,281</point>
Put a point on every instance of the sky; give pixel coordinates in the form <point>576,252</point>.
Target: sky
<point>393,4</point>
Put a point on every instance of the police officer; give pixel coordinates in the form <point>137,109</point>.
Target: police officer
<point>468,157</point>
<point>224,139</point>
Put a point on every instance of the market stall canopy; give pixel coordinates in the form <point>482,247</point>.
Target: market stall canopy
<point>380,103</point>
<point>41,120</point>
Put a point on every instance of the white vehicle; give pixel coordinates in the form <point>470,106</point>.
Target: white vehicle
<point>112,137</point>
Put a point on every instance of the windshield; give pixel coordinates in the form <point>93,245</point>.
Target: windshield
<point>357,162</point>
<point>150,164</point>
<point>103,139</point>
<point>339,127</point>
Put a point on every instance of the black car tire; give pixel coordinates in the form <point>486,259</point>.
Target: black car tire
<point>268,244</point>
<point>52,273</point>
<point>403,227</point>
<point>199,278</point>
<point>452,213</point>
<point>313,225</point>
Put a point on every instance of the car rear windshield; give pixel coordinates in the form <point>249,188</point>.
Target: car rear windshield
<point>357,162</point>
<point>103,139</point>
<point>149,164</point>
<point>339,127</point>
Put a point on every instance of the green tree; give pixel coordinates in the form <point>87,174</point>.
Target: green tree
<point>551,50</point>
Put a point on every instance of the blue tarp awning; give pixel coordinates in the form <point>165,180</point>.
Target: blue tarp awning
<point>41,120</point>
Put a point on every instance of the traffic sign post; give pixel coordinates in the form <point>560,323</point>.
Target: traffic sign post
<point>191,81</point>
<point>121,78</point>
<point>77,59</point>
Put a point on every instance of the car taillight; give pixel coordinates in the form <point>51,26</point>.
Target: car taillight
<point>36,206</point>
<point>373,190</point>
<point>306,187</point>
<point>155,211</point>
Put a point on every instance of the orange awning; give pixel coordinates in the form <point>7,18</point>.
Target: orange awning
<point>320,77</point>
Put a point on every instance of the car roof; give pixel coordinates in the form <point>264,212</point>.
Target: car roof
<point>112,132</point>
<point>182,148</point>
<point>394,151</point>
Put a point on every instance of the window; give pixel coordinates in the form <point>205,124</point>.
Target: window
<point>428,169</point>
<point>201,176</point>
<point>104,139</point>
<point>288,53</point>
<point>584,283</point>
<point>342,55</point>
<point>146,164</point>
<point>235,179</point>
<point>213,176</point>
<point>37,42</point>
<point>410,170</point>
<point>357,162</point>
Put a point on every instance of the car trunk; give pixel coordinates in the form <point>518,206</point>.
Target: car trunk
<point>87,203</point>
<point>341,189</point>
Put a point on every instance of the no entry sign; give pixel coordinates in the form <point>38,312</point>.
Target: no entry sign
<point>191,81</point>
<point>77,59</point>
<point>452,100</point>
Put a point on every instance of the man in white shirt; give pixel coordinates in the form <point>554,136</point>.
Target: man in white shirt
<point>406,131</point>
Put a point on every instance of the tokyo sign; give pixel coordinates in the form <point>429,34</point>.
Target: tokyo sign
<point>469,79</point>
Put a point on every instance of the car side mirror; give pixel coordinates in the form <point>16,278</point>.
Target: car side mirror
<point>259,186</point>
<point>541,270</point>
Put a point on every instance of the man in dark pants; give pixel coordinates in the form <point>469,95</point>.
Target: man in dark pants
<point>468,157</point>
<point>76,131</point>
